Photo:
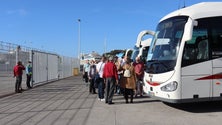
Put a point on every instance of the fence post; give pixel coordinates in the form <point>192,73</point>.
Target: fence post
<point>17,54</point>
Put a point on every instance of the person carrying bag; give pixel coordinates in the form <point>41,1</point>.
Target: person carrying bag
<point>100,81</point>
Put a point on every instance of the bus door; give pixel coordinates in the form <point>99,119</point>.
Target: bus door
<point>196,67</point>
<point>217,77</point>
<point>217,62</point>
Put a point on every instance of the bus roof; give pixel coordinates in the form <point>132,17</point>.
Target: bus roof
<point>200,10</point>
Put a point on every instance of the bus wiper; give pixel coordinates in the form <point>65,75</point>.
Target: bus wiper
<point>154,61</point>
<point>158,62</point>
<point>163,64</point>
<point>151,60</point>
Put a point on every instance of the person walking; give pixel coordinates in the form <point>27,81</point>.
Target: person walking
<point>128,81</point>
<point>86,68</point>
<point>92,74</point>
<point>101,84</point>
<point>120,64</point>
<point>18,71</point>
<point>139,70</point>
<point>111,78</point>
<point>28,74</point>
<point>117,89</point>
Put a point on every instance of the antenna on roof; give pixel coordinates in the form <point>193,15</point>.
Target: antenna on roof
<point>184,3</point>
<point>179,5</point>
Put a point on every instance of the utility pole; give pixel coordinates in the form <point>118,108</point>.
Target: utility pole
<point>79,39</point>
<point>105,45</point>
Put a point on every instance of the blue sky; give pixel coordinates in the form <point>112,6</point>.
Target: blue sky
<point>52,24</point>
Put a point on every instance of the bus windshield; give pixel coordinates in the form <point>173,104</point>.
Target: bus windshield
<point>164,48</point>
<point>135,53</point>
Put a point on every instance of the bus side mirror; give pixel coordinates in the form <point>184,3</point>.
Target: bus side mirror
<point>188,30</point>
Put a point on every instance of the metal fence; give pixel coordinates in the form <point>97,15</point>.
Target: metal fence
<point>46,66</point>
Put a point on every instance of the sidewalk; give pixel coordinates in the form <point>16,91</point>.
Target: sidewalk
<point>67,102</point>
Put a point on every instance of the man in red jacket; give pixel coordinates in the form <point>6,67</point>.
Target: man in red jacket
<point>111,78</point>
<point>18,74</point>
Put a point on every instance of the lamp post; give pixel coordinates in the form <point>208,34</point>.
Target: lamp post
<point>105,45</point>
<point>79,39</point>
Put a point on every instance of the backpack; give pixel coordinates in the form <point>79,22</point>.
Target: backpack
<point>127,73</point>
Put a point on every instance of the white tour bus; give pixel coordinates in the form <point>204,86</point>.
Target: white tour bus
<point>142,45</point>
<point>184,62</point>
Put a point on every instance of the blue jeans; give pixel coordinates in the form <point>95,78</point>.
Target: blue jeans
<point>101,88</point>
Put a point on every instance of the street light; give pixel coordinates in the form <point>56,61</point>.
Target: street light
<point>79,40</point>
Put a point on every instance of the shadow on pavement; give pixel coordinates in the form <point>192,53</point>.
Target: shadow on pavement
<point>119,99</point>
<point>199,107</point>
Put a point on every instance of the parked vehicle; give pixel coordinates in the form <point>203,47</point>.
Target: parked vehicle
<point>142,46</point>
<point>184,62</point>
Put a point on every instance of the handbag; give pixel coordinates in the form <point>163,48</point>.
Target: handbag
<point>84,76</point>
<point>127,73</point>
<point>97,77</point>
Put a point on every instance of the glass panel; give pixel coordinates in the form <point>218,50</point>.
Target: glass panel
<point>165,45</point>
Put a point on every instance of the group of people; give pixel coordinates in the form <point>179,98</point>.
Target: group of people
<point>18,72</point>
<point>114,75</point>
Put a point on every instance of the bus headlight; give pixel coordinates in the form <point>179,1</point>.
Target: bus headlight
<point>172,86</point>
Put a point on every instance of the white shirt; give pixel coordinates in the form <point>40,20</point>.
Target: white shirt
<point>100,68</point>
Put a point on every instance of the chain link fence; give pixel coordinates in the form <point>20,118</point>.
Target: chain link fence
<point>47,66</point>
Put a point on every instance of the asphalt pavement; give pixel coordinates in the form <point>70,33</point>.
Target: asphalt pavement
<point>63,102</point>
<point>68,102</point>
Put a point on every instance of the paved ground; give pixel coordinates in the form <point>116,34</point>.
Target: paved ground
<point>7,83</point>
<point>64,102</point>
<point>68,102</point>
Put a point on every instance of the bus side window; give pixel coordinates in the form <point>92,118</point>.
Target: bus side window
<point>195,52</point>
<point>202,47</point>
<point>216,47</point>
<point>189,52</point>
